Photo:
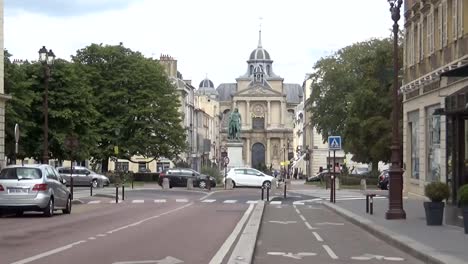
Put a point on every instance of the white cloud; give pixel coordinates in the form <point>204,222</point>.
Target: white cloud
<point>209,36</point>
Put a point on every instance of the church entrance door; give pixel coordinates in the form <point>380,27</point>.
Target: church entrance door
<point>258,155</point>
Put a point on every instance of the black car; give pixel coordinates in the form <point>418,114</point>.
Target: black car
<point>383,182</point>
<point>178,178</point>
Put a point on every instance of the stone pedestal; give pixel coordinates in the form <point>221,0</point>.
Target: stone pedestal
<point>166,184</point>
<point>363,184</point>
<point>234,149</point>
<point>190,183</point>
<point>229,184</point>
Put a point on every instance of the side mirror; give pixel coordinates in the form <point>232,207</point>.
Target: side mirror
<point>193,174</point>
<point>259,174</point>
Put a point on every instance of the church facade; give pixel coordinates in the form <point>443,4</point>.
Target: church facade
<point>267,106</point>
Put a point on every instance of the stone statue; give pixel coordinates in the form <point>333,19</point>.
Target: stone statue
<point>235,122</point>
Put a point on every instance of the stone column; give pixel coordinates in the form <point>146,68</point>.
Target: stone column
<point>282,113</point>
<point>268,152</point>
<point>248,154</point>
<point>269,115</point>
<point>248,117</point>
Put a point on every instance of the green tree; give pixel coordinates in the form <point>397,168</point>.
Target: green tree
<point>352,97</point>
<point>138,105</point>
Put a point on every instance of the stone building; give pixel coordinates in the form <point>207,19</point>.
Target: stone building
<point>435,94</point>
<point>3,96</point>
<point>267,106</point>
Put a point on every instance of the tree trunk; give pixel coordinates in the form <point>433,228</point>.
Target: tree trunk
<point>375,166</point>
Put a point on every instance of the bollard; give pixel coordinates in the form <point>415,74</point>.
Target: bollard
<point>371,205</point>
<point>91,189</point>
<point>363,184</point>
<point>166,183</point>
<point>123,192</point>
<point>285,188</point>
<point>71,186</point>
<point>229,184</point>
<point>208,183</point>
<point>268,194</point>
<point>367,203</point>
<point>132,184</point>
<point>337,184</point>
<point>190,183</point>
<point>262,192</point>
<point>116,194</point>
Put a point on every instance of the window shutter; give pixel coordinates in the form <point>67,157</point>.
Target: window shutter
<point>454,19</point>
<point>441,29</point>
<point>445,22</point>
<point>460,18</point>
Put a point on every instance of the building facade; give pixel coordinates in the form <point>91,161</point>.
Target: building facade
<point>435,86</point>
<point>267,106</point>
<point>3,96</point>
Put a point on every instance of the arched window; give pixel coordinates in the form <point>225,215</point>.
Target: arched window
<point>268,70</point>
<point>251,69</point>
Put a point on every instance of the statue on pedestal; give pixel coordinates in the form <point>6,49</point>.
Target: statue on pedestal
<point>235,122</point>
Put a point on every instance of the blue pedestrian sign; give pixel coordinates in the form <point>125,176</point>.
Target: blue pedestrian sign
<point>334,142</point>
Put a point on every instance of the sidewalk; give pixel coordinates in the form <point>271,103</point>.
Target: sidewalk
<point>432,244</point>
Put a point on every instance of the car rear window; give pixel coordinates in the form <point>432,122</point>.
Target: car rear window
<point>21,173</point>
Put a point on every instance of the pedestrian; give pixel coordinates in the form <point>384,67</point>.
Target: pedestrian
<point>276,173</point>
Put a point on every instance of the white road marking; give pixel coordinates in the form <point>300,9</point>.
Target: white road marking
<point>101,235</point>
<point>138,201</point>
<point>209,201</point>
<point>275,202</point>
<point>181,201</point>
<point>309,226</point>
<point>330,252</point>
<point>298,203</point>
<point>230,201</point>
<point>91,238</point>
<point>297,211</point>
<point>377,257</point>
<point>224,249</point>
<point>283,222</point>
<point>166,260</point>
<point>94,202</point>
<point>302,217</point>
<point>328,223</point>
<point>317,236</point>
<point>48,253</point>
<point>252,202</point>
<point>291,255</point>
<point>160,200</point>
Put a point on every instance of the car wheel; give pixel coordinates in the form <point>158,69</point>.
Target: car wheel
<point>202,184</point>
<point>67,210</point>
<point>267,185</point>
<point>49,210</point>
<point>95,183</point>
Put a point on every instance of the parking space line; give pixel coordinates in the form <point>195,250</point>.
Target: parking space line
<point>160,200</point>
<point>302,217</point>
<point>317,236</point>
<point>94,202</point>
<point>181,201</point>
<point>309,226</point>
<point>230,201</point>
<point>330,252</point>
<point>252,202</point>
<point>138,201</point>
<point>275,202</point>
<point>208,201</point>
<point>298,203</point>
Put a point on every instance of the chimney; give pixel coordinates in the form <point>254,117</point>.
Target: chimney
<point>169,64</point>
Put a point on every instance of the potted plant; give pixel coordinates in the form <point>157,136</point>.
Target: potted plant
<point>463,201</point>
<point>436,192</point>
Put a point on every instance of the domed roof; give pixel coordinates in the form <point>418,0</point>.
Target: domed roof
<point>206,83</point>
<point>260,53</point>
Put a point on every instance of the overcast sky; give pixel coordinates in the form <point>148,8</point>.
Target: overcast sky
<point>207,37</point>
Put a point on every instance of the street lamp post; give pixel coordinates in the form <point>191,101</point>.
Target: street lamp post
<point>395,208</point>
<point>47,58</point>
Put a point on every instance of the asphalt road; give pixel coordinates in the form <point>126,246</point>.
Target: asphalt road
<point>314,234</point>
<point>183,229</point>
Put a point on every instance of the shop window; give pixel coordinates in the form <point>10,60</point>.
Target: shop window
<point>433,144</point>
<point>413,126</point>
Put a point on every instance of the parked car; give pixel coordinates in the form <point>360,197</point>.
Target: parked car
<point>35,187</point>
<point>249,177</point>
<point>83,176</point>
<point>383,182</point>
<point>320,176</point>
<point>178,178</point>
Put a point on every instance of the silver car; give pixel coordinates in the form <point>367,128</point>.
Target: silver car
<point>35,187</point>
<point>83,176</point>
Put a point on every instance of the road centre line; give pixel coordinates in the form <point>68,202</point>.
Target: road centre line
<point>69,246</point>
<point>224,249</point>
<point>317,236</point>
<point>330,252</point>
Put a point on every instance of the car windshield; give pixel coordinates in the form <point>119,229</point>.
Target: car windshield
<point>21,173</point>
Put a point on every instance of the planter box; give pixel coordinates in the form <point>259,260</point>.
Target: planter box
<point>434,213</point>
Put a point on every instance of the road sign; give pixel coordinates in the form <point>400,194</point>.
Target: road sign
<point>226,160</point>
<point>334,142</point>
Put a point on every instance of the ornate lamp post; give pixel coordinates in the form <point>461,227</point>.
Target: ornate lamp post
<point>47,59</point>
<point>395,208</point>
